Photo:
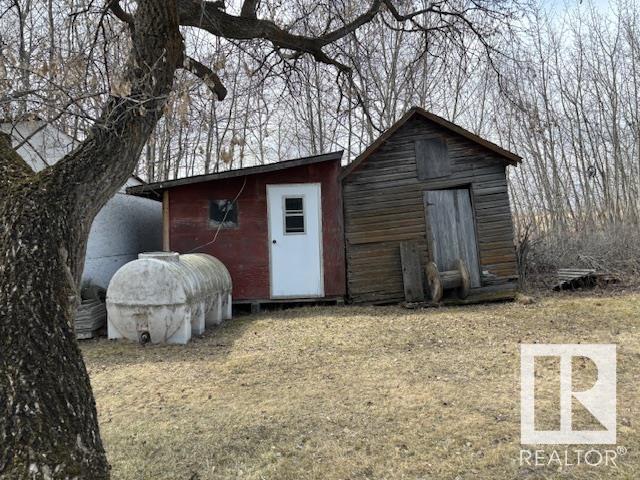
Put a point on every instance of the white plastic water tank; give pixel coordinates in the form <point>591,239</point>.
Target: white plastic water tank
<point>167,297</point>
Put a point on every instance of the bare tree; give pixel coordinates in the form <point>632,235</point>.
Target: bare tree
<point>49,426</point>
<point>563,93</point>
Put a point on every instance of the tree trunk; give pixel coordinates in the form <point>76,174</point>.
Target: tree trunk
<point>48,420</point>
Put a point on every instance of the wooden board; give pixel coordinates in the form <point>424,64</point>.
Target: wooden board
<point>411,272</point>
<point>432,158</point>
<point>467,237</point>
<point>165,222</point>
<point>452,230</point>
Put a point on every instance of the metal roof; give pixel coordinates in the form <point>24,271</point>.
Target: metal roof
<point>158,187</point>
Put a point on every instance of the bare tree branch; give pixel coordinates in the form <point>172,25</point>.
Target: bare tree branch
<point>250,8</point>
<point>205,15</point>
<point>208,76</point>
<point>118,11</point>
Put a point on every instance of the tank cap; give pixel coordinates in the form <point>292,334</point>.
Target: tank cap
<point>165,256</point>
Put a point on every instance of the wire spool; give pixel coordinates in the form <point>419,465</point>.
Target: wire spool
<point>434,285</point>
<point>438,282</point>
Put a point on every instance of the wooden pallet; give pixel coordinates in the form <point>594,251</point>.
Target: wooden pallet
<point>571,278</point>
<point>91,316</point>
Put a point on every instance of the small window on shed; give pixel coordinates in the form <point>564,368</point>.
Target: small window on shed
<point>294,215</point>
<point>432,158</point>
<point>223,213</point>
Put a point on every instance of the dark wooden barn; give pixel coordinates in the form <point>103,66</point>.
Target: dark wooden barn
<point>438,193</point>
<point>278,227</point>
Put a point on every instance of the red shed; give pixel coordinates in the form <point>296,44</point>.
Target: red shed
<point>278,228</point>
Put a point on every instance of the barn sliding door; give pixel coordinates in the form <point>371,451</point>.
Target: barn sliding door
<point>452,230</point>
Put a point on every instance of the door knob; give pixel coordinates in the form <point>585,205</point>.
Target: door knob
<point>274,242</point>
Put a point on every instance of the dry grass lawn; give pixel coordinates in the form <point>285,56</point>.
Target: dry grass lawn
<point>353,393</point>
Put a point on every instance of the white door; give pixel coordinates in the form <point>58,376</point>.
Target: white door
<point>295,240</point>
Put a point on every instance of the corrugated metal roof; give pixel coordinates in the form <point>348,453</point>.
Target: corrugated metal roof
<point>158,187</point>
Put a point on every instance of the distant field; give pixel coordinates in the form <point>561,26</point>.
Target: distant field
<point>353,393</point>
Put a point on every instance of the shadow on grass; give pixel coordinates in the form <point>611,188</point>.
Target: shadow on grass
<point>218,342</point>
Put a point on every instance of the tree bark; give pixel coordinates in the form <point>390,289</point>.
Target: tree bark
<point>48,420</point>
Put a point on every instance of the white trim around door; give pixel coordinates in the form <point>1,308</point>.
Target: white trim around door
<point>294,217</point>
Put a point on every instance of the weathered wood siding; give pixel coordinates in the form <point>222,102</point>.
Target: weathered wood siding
<point>383,205</point>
